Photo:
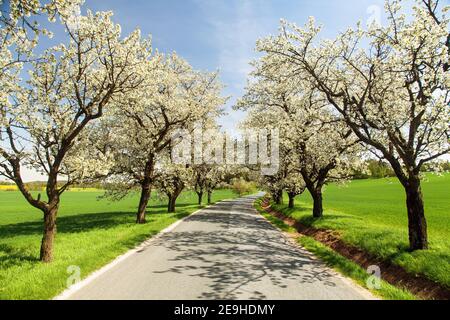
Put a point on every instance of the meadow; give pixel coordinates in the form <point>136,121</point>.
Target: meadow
<point>371,214</point>
<point>91,233</point>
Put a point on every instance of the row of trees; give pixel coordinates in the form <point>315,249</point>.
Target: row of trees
<point>382,92</point>
<point>99,105</point>
<point>103,106</point>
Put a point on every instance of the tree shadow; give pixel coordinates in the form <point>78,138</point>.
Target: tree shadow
<point>237,252</point>
<point>70,224</point>
<point>164,207</point>
<point>75,223</point>
<point>297,209</point>
<point>82,222</point>
<point>311,221</point>
<point>13,256</point>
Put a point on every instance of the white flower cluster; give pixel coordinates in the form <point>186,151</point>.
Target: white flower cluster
<point>393,95</point>
<point>100,105</point>
<point>386,87</point>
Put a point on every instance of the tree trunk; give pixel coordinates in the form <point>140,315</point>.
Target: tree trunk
<point>143,202</point>
<point>417,224</point>
<point>49,234</point>
<point>278,197</point>
<point>200,197</point>
<point>172,203</point>
<point>209,197</point>
<point>318,203</point>
<point>173,199</point>
<point>291,200</point>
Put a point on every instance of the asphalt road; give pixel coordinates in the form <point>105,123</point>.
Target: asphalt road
<point>226,251</point>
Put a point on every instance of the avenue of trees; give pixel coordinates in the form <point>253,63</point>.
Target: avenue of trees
<point>380,93</point>
<point>98,106</point>
<point>104,107</point>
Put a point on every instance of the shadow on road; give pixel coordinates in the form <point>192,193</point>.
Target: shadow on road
<point>246,253</point>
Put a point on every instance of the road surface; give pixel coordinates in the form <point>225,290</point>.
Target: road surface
<point>226,251</point>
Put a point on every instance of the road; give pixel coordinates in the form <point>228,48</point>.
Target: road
<point>226,251</point>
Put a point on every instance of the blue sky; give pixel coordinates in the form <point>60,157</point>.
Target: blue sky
<point>221,34</point>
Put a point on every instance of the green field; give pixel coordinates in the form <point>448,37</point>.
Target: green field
<point>91,233</point>
<point>371,214</point>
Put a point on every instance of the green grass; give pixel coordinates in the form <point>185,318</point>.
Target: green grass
<point>338,262</point>
<point>91,233</point>
<point>371,214</point>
